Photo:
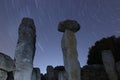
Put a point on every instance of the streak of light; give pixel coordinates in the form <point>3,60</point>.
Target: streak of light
<point>94,34</point>
<point>36,3</point>
<point>28,11</point>
<point>40,46</point>
<point>117,31</point>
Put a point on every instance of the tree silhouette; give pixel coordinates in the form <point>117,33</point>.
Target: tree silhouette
<point>110,43</point>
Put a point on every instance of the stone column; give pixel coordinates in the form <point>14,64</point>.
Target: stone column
<point>69,48</point>
<point>6,65</point>
<point>50,73</point>
<point>62,75</point>
<point>36,74</point>
<point>109,64</point>
<point>25,50</point>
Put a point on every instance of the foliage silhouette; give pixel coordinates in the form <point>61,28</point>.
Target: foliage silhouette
<point>110,43</point>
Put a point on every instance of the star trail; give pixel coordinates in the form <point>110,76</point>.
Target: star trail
<point>98,19</point>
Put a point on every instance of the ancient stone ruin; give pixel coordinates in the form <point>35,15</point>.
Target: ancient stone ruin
<point>50,73</point>
<point>62,75</point>
<point>21,68</point>
<point>25,50</point>
<point>109,64</point>
<point>68,44</point>
<point>36,74</point>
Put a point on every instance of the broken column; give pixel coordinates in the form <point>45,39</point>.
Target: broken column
<point>50,73</point>
<point>62,75</point>
<point>25,50</point>
<point>6,65</point>
<point>109,64</point>
<point>69,48</point>
<point>36,74</point>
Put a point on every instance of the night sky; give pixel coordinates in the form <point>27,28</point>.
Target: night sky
<point>98,19</point>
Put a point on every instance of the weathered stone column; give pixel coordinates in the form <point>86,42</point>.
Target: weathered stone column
<point>109,64</point>
<point>6,65</point>
<point>69,48</point>
<point>25,50</point>
<point>36,74</point>
<point>50,73</point>
<point>62,75</point>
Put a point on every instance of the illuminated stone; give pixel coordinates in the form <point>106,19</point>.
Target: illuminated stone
<point>25,50</point>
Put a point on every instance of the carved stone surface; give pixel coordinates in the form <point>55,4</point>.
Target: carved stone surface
<point>36,74</point>
<point>70,55</point>
<point>71,25</point>
<point>25,50</point>
<point>109,64</point>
